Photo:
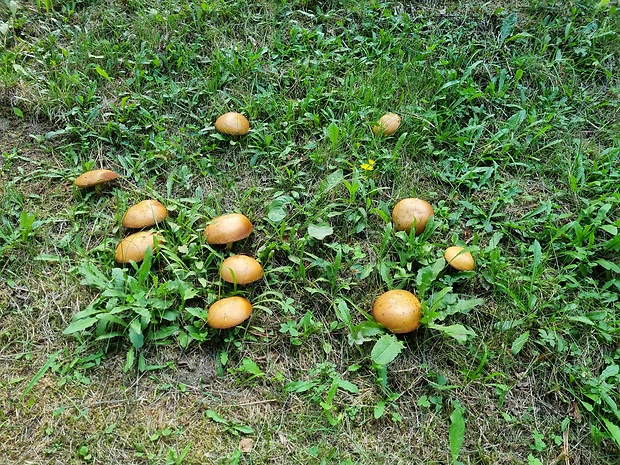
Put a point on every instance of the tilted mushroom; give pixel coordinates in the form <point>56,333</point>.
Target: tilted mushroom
<point>228,312</point>
<point>227,229</point>
<point>412,213</point>
<point>387,125</point>
<point>241,269</point>
<point>233,124</point>
<point>94,178</point>
<point>459,260</point>
<point>144,214</point>
<point>134,246</point>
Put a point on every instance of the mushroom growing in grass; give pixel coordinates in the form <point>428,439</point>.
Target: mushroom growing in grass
<point>241,269</point>
<point>227,229</point>
<point>233,124</point>
<point>144,214</point>
<point>459,260</point>
<point>412,213</point>
<point>228,312</point>
<point>387,125</point>
<point>134,246</point>
<point>398,311</point>
<point>94,178</point>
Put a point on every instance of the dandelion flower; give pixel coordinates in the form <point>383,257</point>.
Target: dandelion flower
<point>368,166</point>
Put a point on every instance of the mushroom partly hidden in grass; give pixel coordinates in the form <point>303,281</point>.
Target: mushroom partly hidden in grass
<point>94,178</point>
<point>233,124</point>
<point>144,214</point>
<point>228,312</point>
<point>387,125</point>
<point>412,213</point>
<point>399,311</point>
<point>241,269</point>
<point>134,246</point>
<point>227,229</point>
<point>459,260</point>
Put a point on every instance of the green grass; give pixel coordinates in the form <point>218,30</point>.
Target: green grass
<point>510,130</point>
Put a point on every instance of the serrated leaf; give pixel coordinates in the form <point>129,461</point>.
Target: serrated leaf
<point>386,349</point>
<point>216,417</point>
<point>320,231</point>
<point>519,342</point>
<point>458,332</point>
<point>507,27</point>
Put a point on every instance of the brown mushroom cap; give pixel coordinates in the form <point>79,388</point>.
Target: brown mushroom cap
<point>227,229</point>
<point>460,261</point>
<point>398,311</point>
<point>94,178</point>
<point>134,246</point>
<point>409,212</point>
<point>241,269</point>
<point>387,125</point>
<point>228,312</point>
<point>144,214</point>
<point>232,123</point>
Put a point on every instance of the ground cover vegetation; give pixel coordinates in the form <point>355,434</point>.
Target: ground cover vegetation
<point>510,129</point>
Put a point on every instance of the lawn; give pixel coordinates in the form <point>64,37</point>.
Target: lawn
<point>510,130</point>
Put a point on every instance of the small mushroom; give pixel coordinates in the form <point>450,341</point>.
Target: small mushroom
<point>412,213</point>
<point>398,311</point>
<point>228,312</point>
<point>134,246</point>
<point>456,258</point>
<point>233,124</point>
<point>144,214</point>
<point>94,178</point>
<point>241,269</point>
<point>227,229</point>
<point>387,125</point>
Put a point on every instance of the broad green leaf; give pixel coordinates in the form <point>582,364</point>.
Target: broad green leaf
<point>80,325</point>
<point>507,27</point>
<point>457,432</point>
<point>277,211</point>
<point>250,366</point>
<point>333,131</point>
<point>300,386</point>
<point>135,334</point>
<point>131,356</point>
<point>332,180</point>
<point>519,342</point>
<point>611,370</point>
<point>386,349</point>
<point>213,415</point>
<point>245,429</point>
<point>614,430</point>
<point>458,332</point>
<point>101,72</point>
<point>320,231</point>
<point>348,386</point>
<point>379,409</point>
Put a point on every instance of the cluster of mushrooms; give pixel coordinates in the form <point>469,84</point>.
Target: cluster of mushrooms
<point>399,311</point>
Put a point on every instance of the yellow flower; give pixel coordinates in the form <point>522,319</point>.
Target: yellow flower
<point>368,166</point>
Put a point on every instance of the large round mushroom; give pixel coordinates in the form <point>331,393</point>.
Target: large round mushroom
<point>134,246</point>
<point>459,260</point>
<point>94,178</point>
<point>412,213</point>
<point>228,312</point>
<point>227,229</point>
<point>233,124</point>
<point>387,125</point>
<point>144,214</point>
<point>241,269</point>
<point>399,311</point>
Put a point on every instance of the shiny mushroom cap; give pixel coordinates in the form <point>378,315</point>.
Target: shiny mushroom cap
<point>134,246</point>
<point>241,269</point>
<point>227,229</point>
<point>398,311</point>
<point>233,124</point>
<point>412,212</point>
<point>228,312</point>
<point>456,258</point>
<point>94,178</point>
<point>144,214</point>
<point>387,125</point>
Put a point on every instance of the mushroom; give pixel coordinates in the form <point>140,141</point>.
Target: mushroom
<point>227,229</point>
<point>134,246</point>
<point>241,269</point>
<point>94,178</point>
<point>228,312</point>
<point>398,311</point>
<point>387,125</point>
<point>144,214</point>
<point>233,124</point>
<point>412,212</point>
<point>456,258</point>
